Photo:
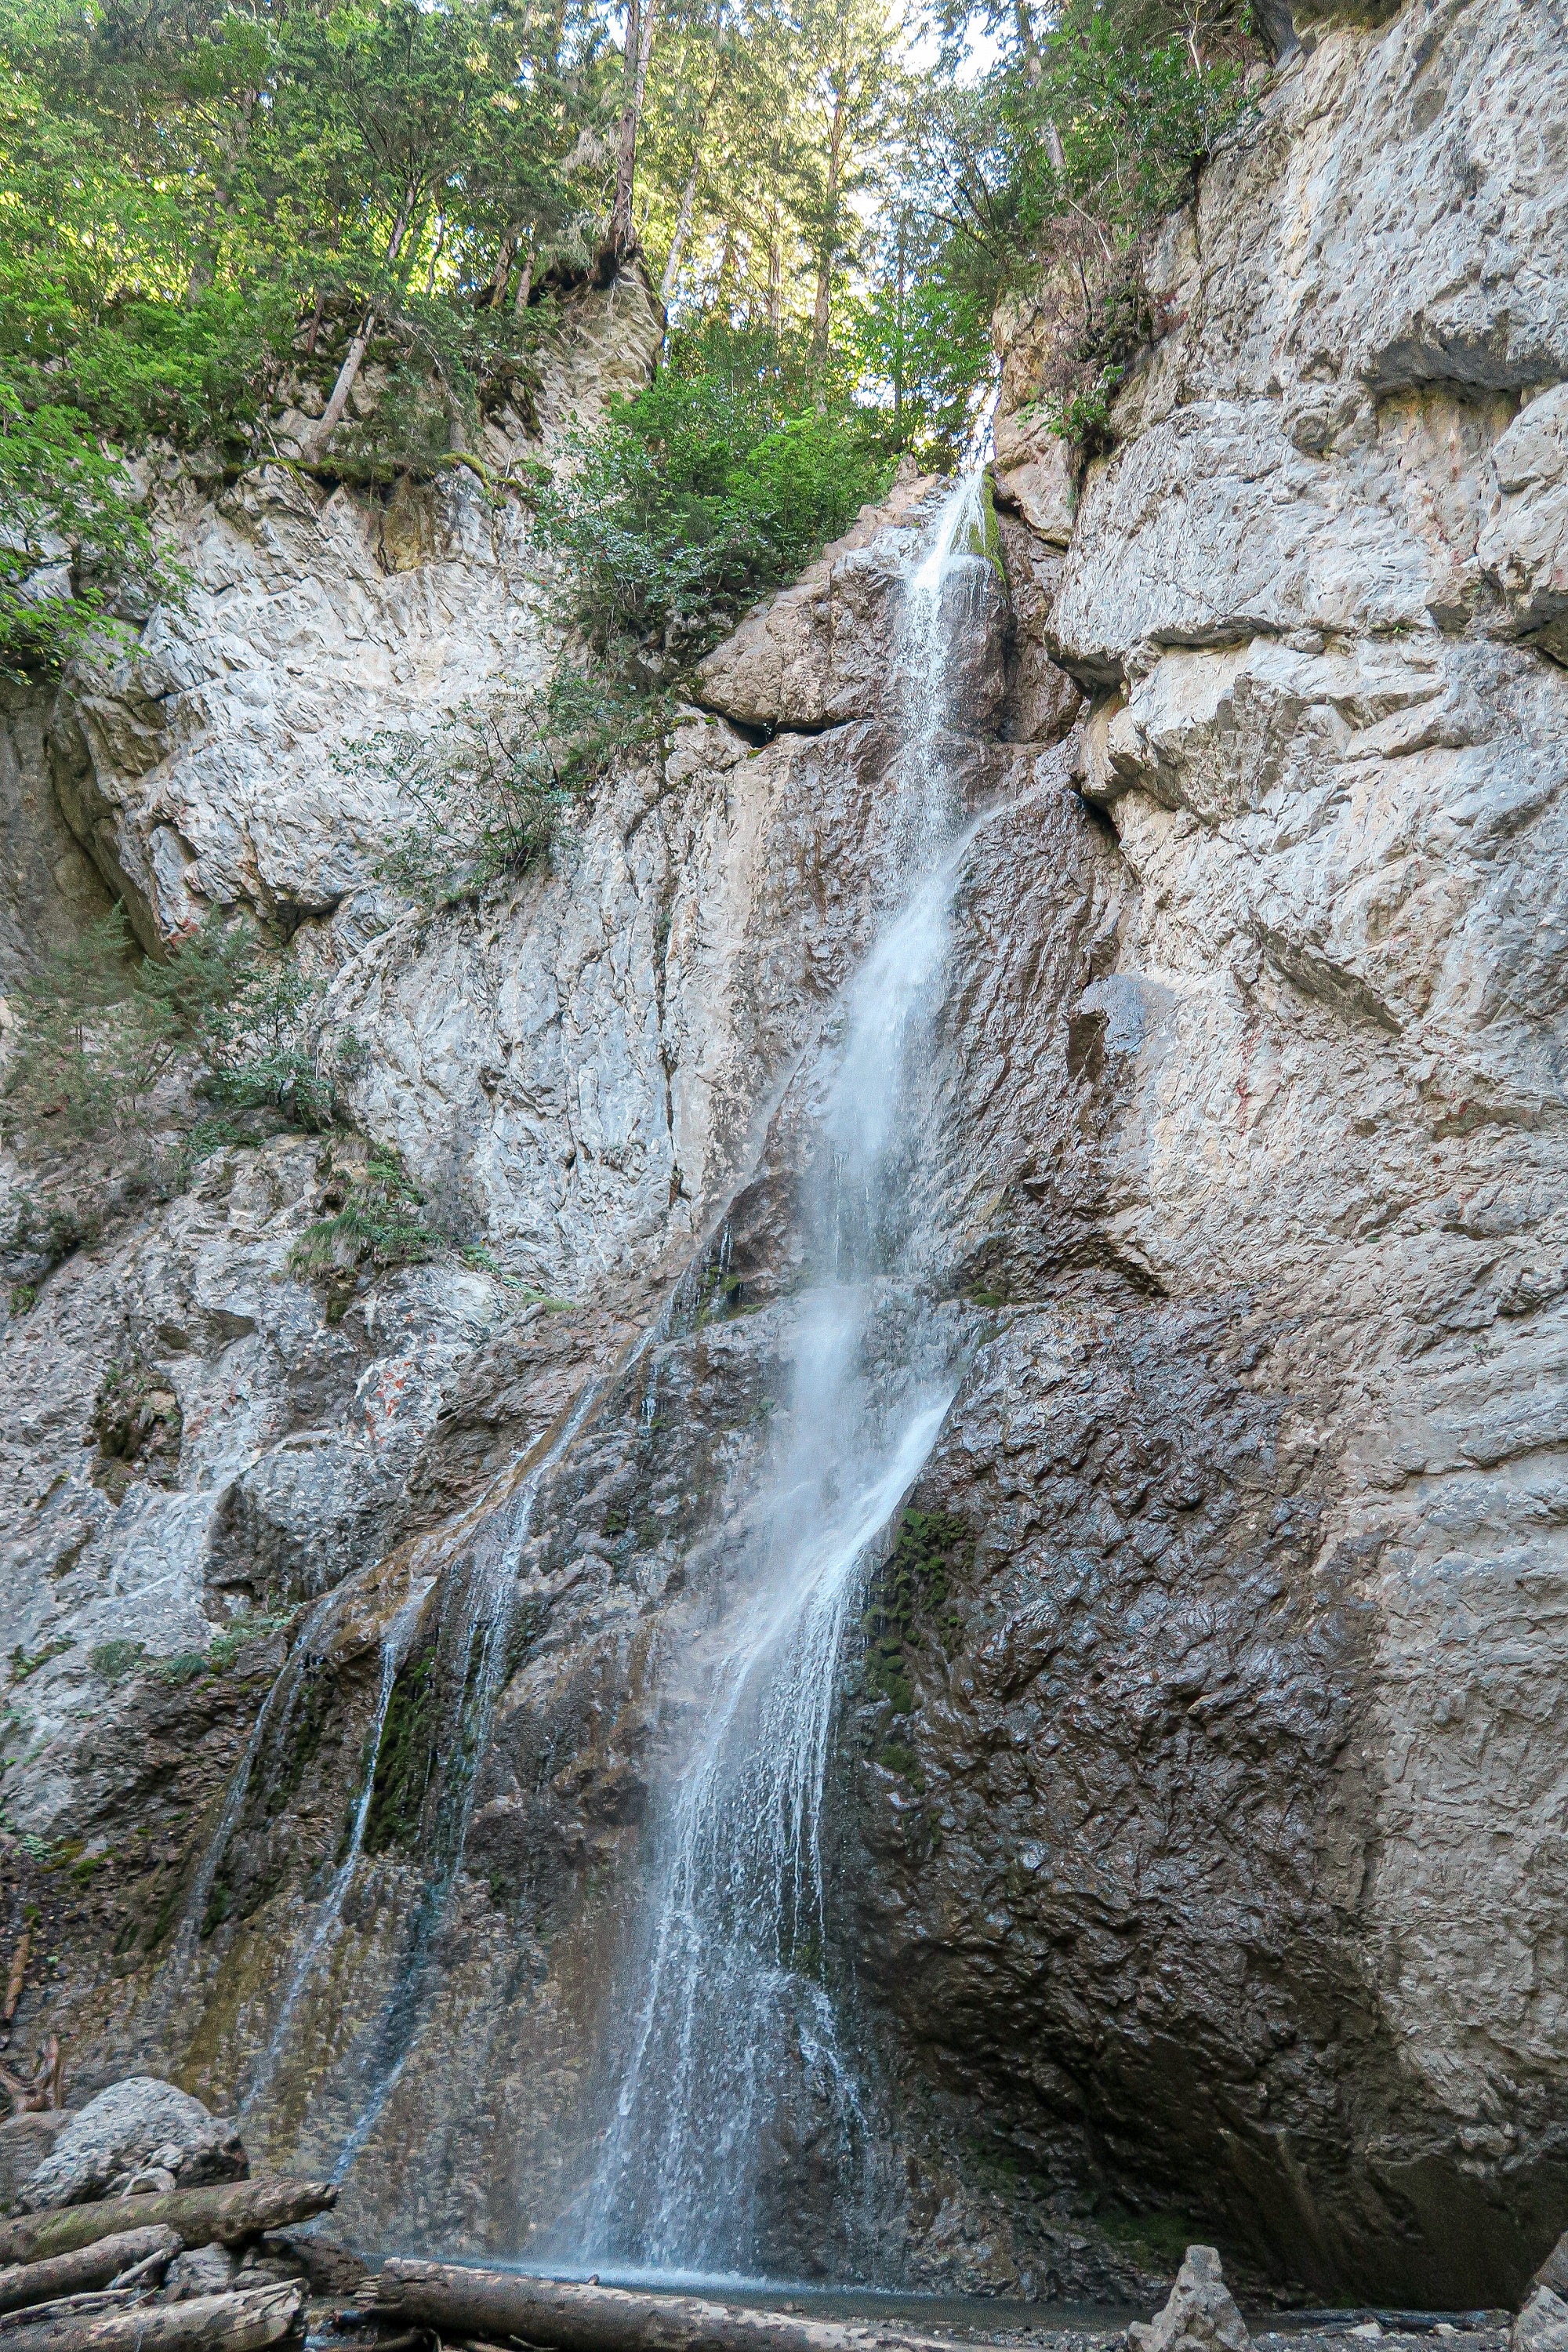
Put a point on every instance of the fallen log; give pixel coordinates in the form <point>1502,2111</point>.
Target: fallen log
<point>226,2323</point>
<point>90,2266</point>
<point>75,2308</point>
<point>19,1976</point>
<point>569,2318</point>
<point>225,2215</point>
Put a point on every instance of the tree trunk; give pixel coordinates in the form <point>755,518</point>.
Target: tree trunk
<point>332,416</point>
<point>524,279</point>
<point>19,1976</point>
<point>90,2266</point>
<point>496,2304</point>
<point>899,348</point>
<point>640,15</point>
<point>775,271</point>
<point>829,249</point>
<point>1027,40</point>
<point>435,252</point>
<point>667,284</point>
<point>503,270</point>
<point>224,2323</point>
<point>225,2216</point>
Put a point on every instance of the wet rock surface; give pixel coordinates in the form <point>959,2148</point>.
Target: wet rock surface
<point>1199,1772</point>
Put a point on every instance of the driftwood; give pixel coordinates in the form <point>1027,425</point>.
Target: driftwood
<point>95,2265</point>
<point>34,2094</point>
<point>60,2308</point>
<point>19,1976</point>
<point>226,2216</point>
<point>455,2302</point>
<point>226,2323</point>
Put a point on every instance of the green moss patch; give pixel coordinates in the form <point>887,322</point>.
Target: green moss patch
<point>403,1764</point>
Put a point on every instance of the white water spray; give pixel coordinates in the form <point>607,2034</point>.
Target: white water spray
<point>735,2061</point>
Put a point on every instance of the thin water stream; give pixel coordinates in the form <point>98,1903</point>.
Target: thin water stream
<point>735,2019</point>
<point>488,1604</point>
<point>394,1649</point>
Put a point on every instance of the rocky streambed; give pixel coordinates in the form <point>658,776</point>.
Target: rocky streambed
<point>141,2227</point>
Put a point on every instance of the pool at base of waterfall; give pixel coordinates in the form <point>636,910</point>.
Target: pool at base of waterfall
<point>1063,2327</point>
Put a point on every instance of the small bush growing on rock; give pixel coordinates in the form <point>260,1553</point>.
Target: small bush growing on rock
<point>490,784</point>
<point>373,1224</point>
<point>723,478</point>
<point>113,1661</point>
<point>102,1031</point>
<point>137,1422</point>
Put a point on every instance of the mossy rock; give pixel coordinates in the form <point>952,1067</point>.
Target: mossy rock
<point>986,536</point>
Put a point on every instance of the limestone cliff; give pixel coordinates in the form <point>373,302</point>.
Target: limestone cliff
<point>1201,1847</point>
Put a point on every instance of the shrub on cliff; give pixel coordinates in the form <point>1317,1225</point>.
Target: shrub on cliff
<point>490,782</point>
<point>724,476</point>
<point>103,1035</point>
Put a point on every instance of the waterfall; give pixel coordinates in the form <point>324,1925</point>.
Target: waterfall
<point>733,2019</point>
<point>394,1646</point>
<point>485,1607</point>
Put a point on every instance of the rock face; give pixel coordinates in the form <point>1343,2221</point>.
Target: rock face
<point>1199,2311</point>
<point>136,2124</point>
<point>1198,1819</point>
<point>1542,2325</point>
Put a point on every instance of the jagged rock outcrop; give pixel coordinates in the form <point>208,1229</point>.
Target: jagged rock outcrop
<point>1199,1860</point>
<point>1239,1784</point>
<point>1200,2310</point>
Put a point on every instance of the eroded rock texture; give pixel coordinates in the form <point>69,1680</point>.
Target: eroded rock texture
<point>1199,1796</point>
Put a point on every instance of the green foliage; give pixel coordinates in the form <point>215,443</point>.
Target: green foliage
<point>908,1593</point>
<point>99,1029</point>
<point>23,1666</point>
<point>1047,181</point>
<point>491,783</point>
<point>227,1646</point>
<point>922,337</point>
<point>1160,2240</point>
<point>113,1661</point>
<point>186,1667</point>
<point>723,478</point>
<point>138,1424</point>
<point>374,1223</point>
<point>220,1907</point>
<point>403,1759</point>
<point>71,530</point>
<point>897,1756</point>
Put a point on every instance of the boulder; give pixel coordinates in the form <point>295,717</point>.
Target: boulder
<point>1542,2325</point>
<point>139,2126</point>
<point>1199,2311</point>
<point>1553,2270</point>
<point>25,2142</point>
<point>204,2270</point>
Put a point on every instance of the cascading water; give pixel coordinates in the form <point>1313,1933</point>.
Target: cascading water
<point>733,2021</point>
<point>395,1643</point>
<point>485,1609</point>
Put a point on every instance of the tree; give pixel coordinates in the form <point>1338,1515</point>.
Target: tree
<point>852,48</point>
<point>382,104</point>
<point>641,16</point>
